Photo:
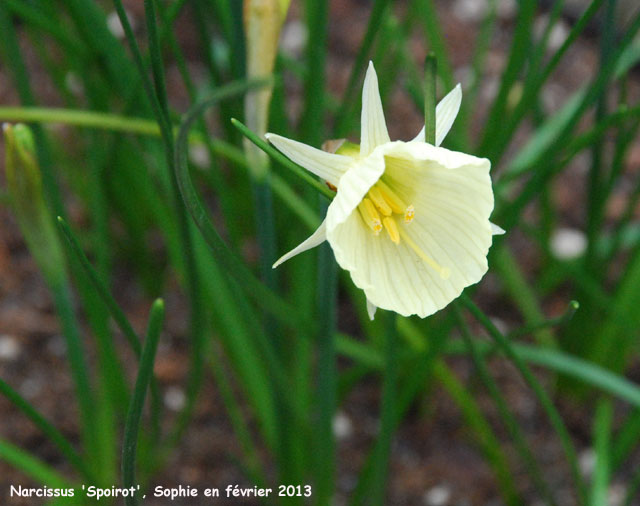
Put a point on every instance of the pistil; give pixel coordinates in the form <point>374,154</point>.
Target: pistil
<point>444,272</point>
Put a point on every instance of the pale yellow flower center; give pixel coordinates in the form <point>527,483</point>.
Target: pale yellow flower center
<point>382,200</point>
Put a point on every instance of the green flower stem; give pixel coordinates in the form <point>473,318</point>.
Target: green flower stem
<point>602,437</point>
<point>279,157</point>
<point>388,416</point>
<point>325,450</point>
<point>47,429</point>
<point>507,417</point>
<point>134,414</point>
<point>554,416</point>
<point>430,73</point>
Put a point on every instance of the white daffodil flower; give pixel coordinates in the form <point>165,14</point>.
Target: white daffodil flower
<point>410,221</point>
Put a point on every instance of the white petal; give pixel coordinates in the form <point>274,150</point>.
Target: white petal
<point>391,275</point>
<point>371,309</point>
<point>496,230</point>
<point>446,112</point>
<point>354,185</point>
<point>315,239</point>
<point>373,127</point>
<point>328,166</point>
<point>422,152</point>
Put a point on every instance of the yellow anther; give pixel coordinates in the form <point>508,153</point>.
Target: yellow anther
<point>370,215</point>
<point>444,272</point>
<point>409,214</point>
<point>395,203</point>
<point>392,229</point>
<point>376,197</point>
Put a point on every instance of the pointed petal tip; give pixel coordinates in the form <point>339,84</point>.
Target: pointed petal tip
<point>496,230</point>
<point>371,309</point>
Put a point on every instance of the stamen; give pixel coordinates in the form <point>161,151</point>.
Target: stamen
<point>392,229</point>
<point>370,215</point>
<point>395,203</point>
<point>376,196</point>
<point>409,214</point>
<point>444,272</point>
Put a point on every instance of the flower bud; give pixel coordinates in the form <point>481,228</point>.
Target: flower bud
<point>262,22</point>
<point>24,184</point>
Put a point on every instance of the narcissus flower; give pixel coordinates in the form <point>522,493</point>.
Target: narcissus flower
<point>410,221</point>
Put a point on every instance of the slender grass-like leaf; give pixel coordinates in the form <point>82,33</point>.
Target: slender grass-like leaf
<point>32,466</point>
<point>519,53</point>
<point>145,372</point>
<point>552,413</point>
<point>117,313</point>
<point>279,157</point>
<point>487,440</point>
<point>602,434</point>
<point>255,288</point>
<point>424,11</point>
<point>521,294</point>
<point>388,422</point>
<point>507,417</point>
<point>47,428</point>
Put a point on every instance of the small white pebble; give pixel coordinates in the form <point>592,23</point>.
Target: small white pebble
<point>174,398</point>
<point>9,347</point>
<point>437,496</point>
<point>500,324</point>
<point>470,10</point>
<point>568,243</point>
<point>342,426</point>
<point>199,156</point>
<point>617,494</point>
<point>294,37</point>
<point>587,461</point>
<point>558,35</point>
<point>114,25</point>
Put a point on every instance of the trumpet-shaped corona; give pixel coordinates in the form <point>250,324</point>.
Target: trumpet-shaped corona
<point>433,204</point>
